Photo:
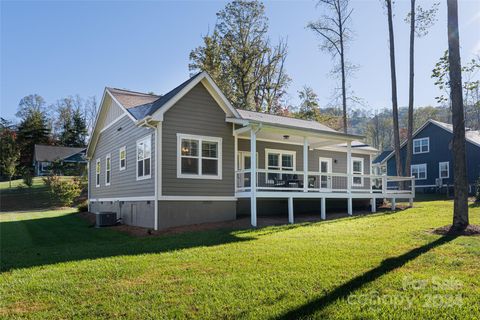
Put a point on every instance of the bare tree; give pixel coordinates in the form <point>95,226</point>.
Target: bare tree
<point>396,132</point>
<point>460,207</point>
<point>420,21</point>
<point>333,28</point>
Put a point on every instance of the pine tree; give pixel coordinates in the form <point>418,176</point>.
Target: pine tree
<point>33,129</point>
<point>79,129</point>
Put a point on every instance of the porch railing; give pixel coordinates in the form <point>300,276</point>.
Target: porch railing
<point>285,180</point>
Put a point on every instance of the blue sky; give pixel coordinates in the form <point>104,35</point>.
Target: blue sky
<point>65,48</point>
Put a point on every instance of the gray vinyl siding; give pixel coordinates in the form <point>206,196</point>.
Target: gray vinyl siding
<point>123,183</point>
<point>339,159</point>
<point>114,111</point>
<point>196,113</point>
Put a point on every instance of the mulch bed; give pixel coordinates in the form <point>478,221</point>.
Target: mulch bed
<point>471,230</point>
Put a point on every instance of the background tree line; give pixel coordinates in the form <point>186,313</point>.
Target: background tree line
<point>67,122</point>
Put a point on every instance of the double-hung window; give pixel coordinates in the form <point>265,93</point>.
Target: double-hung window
<point>122,156</point>
<point>357,169</point>
<point>97,173</point>
<point>199,157</point>
<point>279,160</point>
<point>144,156</point>
<point>108,169</point>
<point>444,170</point>
<point>421,145</point>
<point>419,171</point>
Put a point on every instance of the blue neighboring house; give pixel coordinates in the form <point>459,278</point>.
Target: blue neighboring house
<point>432,162</point>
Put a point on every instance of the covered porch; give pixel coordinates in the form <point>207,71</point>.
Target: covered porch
<point>307,164</point>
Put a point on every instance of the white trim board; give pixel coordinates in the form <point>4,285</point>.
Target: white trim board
<point>196,198</point>
<point>146,198</point>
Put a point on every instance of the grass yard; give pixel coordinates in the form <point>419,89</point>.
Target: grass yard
<point>20,197</point>
<point>376,266</point>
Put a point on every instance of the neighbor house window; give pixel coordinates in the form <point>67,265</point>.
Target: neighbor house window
<point>419,171</point>
<point>108,169</point>
<point>357,169</point>
<point>199,157</point>
<point>421,145</point>
<point>444,170</point>
<point>122,155</point>
<point>97,173</point>
<point>144,155</point>
<point>279,160</point>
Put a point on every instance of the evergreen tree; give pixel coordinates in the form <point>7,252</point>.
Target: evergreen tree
<point>79,129</point>
<point>33,129</point>
<point>9,153</point>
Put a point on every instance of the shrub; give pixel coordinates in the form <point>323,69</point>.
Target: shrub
<point>64,192</point>
<point>83,207</point>
<point>27,178</point>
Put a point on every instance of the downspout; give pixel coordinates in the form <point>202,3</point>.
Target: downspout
<point>88,184</point>
<point>145,123</point>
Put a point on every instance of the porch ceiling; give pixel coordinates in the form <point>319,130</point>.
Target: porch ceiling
<point>292,138</point>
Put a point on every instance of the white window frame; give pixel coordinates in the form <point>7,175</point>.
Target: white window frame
<point>440,169</point>
<point>200,139</point>
<point>120,168</point>
<point>419,166</point>
<point>97,172</point>
<point>361,172</point>
<point>280,167</point>
<point>108,173</point>
<point>144,139</point>
<point>241,159</point>
<point>420,142</point>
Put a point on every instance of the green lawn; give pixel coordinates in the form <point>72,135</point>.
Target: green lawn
<point>20,197</point>
<point>376,266</point>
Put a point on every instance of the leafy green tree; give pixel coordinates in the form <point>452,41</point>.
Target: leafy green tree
<point>309,109</point>
<point>238,55</point>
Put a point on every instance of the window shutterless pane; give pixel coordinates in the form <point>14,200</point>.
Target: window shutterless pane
<point>273,160</point>
<point>287,160</point>
<point>140,168</point>
<point>209,167</point>
<point>189,147</point>
<point>190,165</point>
<point>209,149</point>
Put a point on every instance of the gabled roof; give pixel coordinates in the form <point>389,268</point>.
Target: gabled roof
<point>275,119</point>
<point>131,99</point>
<point>470,135</point>
<point>382,156</point>
<point>149,108</point>
<point>53,153</point>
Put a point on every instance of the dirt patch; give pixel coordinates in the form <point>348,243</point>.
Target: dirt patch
<point>471,230</point>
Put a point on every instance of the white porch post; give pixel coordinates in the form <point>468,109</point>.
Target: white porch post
<point>290,210</point>
<point>349,176</point>
<point>394,204</point>
<point>253,177</point>
<point>323,212</point>
<point>235,152</point>
<point>305,164</point>
<point>373,204</point>
<point>349,166</point>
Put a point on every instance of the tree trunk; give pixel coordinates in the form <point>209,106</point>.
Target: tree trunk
<point>396,132</point>
<point>460,206</point>
<point>408,161</point>
<point>10,183</point>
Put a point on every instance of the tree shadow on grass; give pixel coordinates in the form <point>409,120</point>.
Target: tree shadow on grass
<point>343,291</point>
<point>46,241</point>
